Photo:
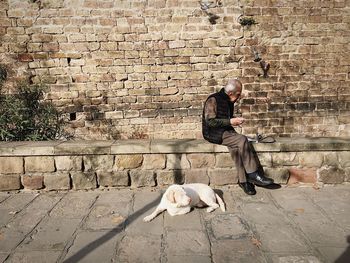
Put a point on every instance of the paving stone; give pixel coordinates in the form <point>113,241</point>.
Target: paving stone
<point>74,205</point>
<point>271,215</point>
<point>191,221</point>
<point>294,259</point>
<point>29,217</point>
<point>190,258</point>
<point>13,205</point>
<point>284,240</point>
<point>97,246</point>
<point>129,248</point>
<point>187,242</point>
<point>35,256</point>
<point>3,256</point>
<point>50,234</point>
<point>242,250</point>
<point>229,226</point>
<point>144,204</point>
<point>10,239</point>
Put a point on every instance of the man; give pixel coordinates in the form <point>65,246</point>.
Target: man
<point>218,127</point>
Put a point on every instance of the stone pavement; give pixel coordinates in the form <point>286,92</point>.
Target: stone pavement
<point>282,225</point>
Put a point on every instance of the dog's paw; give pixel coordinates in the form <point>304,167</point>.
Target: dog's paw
<point>147,218</point>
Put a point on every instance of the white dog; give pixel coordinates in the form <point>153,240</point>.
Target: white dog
<point>178,200</point>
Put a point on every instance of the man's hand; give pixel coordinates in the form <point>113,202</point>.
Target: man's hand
<point>236,121</point>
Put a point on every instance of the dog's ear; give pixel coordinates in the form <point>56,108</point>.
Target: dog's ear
<point>171,196</point>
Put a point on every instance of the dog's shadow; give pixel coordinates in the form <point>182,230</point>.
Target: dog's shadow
<point>220,193</point>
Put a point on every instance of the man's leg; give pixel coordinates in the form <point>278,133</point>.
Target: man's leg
<point>246,157</point>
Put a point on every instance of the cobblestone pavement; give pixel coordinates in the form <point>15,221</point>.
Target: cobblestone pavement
<point>284,225</point>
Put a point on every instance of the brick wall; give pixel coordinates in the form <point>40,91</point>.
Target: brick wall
<point>142,69</point>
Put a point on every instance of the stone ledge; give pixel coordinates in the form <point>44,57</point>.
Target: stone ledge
<point>56,148</point>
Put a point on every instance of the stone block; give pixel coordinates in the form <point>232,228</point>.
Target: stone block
<point>310,159</point>
<point>141,178</point>
<point>166,177</point>
<point>130,146</point>
<point>331,175</point>
<point>279,175</point>
<point>177,161</point>
<point>196,176</point>
<point>112,178</point>
<point>153,161</point>
<point>224,160</point>
<point>201,160</point>
<point>302,175</point>
<point>98,162</point>
<point>68,163</point>
<point>83,180</point>
<point>11,165</point>
<point>285,159</point>
<point>331,159</point>
<point>344,159</point>
<point>57,181</point>
<point>223,176</point>
<point>10,182</point>
<point>180,146</point>
<point>39,164</point>
<point>33,181</point>
<point>347,175</point>
<point>265,159</point>
<point>128,161</point>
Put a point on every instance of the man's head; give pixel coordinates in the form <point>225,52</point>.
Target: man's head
<point>233,89</point>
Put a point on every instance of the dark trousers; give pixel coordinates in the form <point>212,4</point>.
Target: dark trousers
<point>242,153</point>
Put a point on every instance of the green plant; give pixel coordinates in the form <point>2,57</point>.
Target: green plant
<point>24,116</point>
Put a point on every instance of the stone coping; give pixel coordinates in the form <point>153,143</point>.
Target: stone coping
<point>76,147</point>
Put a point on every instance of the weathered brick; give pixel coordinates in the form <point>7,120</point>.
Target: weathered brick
<point>166,177</point>
<point>196,176</point>
<point>140,178</point>
<point>68,163</point>
<point>11,165</point>
<point>112,178</point>
<point>83,180</point>
<point>10,182</point>
<point>57,181</point>
<point>33,181</point>
<point>331,175</point>
<point>201,160</point>
<point>128,161</point>
<point>177,161</point>
<point>39,164</point>
<point>154,161</point>
<point>223,176</point>
<point>224,160</point>
<point>98,162</point>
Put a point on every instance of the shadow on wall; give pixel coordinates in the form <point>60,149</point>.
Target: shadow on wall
<point>98,242</point>
<point>345,257</point>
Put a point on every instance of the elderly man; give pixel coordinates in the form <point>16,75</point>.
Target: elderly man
<point>218,127</point>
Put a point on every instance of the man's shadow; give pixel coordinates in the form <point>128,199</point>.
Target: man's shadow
<point>345,257</point>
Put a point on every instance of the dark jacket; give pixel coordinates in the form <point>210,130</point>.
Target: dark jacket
<point>213,131</point>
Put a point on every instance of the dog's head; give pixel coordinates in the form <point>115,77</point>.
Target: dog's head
<point>177,196</point>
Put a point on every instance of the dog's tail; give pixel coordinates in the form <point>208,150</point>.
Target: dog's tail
<point>221,203</point>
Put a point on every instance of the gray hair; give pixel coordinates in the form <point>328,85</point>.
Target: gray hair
<point>232,85</point>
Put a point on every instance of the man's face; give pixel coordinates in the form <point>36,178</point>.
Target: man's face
<point>234,96</point>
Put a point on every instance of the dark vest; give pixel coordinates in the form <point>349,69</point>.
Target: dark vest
<point>224,110</point>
